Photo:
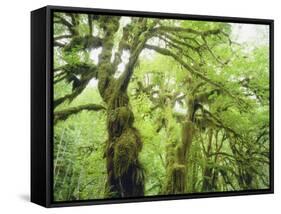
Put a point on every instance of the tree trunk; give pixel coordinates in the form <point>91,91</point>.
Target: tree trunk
<point>125,175</point>
<point>177,153</point>
<point>177,161</point>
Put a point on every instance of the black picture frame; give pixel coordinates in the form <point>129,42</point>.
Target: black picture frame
<point>42,98</point>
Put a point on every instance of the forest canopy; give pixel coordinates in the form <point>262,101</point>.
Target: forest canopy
<point>148,106</point>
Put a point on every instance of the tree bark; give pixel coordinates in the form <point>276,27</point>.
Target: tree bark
<point>65,113</point>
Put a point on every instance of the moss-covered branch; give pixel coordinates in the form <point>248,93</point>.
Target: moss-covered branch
<point>109,25</point>
<point>79,68</point>
<point>138,45</point>
<point>220,124</point>
<point>198,74</point>
<point>71,26</point>
<point>65,113</point>
<point>69,72</point>
<point>83,43</point>
<point>188,30</point>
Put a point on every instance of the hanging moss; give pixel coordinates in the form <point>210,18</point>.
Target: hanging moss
<point>83,43</point>
<point>125,173</point>
<point>125,152</point>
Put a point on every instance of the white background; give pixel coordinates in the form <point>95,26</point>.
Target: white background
<point>15,105</point>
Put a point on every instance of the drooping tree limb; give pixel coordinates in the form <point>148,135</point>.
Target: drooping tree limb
<point>64,114</point>
<point>172,38</point>
<point>71,26</point>
<point>77,41</point>
<point>79,68</point>
<point>62,20</point>
<point>183,51</point>
<point>62,37</point>
<point>76,91</point>
<point>212,53</point>
<point>59,77</point>
<point>188,30</point>
<point>83,43</point>
<point>58,44</point>
<point>60,100</point>
<point>220,124</point>
<point>86,72</point>
<point>188,39</point>
<point>175,40</point>
<point>167,52</point>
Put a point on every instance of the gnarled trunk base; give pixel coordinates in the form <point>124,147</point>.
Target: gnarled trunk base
<point>125,173</point>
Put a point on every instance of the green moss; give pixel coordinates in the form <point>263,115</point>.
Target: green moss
<point>125,152</point>
<point>118,120</point>
<point>117,99</point>
<point>104,80</point>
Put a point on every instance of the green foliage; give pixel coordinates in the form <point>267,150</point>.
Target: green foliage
<point>227,110</point>
<point>76,147</point>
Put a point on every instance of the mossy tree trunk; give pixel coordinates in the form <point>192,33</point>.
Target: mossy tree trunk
<point>125,175</point>
<point>177,153</point>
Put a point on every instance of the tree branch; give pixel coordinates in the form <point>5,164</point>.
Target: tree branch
<point>83,43</point>
<point>58,44</point>
<point>64,114</point>
<point>220,124</point>
<point>63,21</point>
<point>167,52</point>
<point>79,68</point>
<point>139,44</point>
<point>62,37</point>
<point>187,30</point>
<point>90,23</point>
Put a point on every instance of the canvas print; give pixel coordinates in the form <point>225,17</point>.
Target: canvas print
<point>158,107</point>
